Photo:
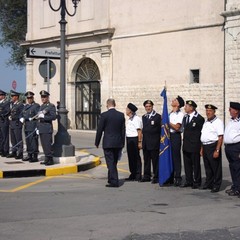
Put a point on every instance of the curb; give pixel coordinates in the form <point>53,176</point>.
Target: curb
<point>53,171</point>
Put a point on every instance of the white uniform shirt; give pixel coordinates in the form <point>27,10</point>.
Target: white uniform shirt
<point>211,130</point>
<point>232,132</point>
<point>175,118</point>
<point>133,124</point>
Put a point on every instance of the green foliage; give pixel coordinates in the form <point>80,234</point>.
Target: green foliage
<point>13,24</point>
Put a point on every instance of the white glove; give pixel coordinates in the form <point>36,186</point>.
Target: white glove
<point>21,120</point>
<point>10,118</point>
<point>37,132</point>
<point>30,119</point>
<point>41,115</point>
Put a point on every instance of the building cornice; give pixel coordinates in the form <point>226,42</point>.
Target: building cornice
<point>231,13</point>
<point>70,37</point>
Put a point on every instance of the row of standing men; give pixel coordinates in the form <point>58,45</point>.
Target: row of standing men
<point>200,138</point>
<point>36,121</point>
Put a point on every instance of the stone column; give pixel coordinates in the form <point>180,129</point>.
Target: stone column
<point>232,53</point>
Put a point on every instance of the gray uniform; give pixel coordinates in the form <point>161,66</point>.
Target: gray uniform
<point>4,127</point>
<point>29,111</point>
<point>16,128</point>
<point>45,127</point>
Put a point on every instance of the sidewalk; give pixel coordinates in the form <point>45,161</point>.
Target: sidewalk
<point>14,168</point>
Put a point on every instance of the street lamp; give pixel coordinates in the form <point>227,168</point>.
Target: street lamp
<point>62,141</point>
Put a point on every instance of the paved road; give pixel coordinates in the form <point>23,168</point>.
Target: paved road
<point>79,206</point>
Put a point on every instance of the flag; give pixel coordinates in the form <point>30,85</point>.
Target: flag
<point>165,153</point>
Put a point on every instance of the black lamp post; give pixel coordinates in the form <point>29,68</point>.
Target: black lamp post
<point>62,141</point>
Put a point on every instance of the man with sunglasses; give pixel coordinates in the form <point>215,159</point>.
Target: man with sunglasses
<point>30,123</point>
<point>47,114</point>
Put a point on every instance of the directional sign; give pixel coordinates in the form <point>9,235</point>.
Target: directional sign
<point>43,53</point>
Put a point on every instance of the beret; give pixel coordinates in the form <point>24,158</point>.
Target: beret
<point>181,101</point>
<point>191,103</point>
<point>148,102</point>
<point>132,107</point>
<point>210,106</point>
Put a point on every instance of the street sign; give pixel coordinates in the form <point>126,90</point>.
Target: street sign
<point>43,53</point>
<point>14,85</point>
<point>43,69</point>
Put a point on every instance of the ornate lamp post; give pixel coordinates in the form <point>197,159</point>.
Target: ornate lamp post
<point>62,141</point>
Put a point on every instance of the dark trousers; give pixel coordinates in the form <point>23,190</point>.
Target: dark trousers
<point>111,157</point>
<point>4,144</point>
<point>16,137</point>
<point>134,159</point>
<point>46,141</point>
<point>213,166</point>
<point>233,155</point>
<point>150,156</point>
<point>31,142</point>
<point>176,143</point>
<point>192,167</point>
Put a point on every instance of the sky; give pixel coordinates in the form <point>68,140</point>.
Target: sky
<point>8,74</point>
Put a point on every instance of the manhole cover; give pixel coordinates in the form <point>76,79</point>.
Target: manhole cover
<point>14,162</point>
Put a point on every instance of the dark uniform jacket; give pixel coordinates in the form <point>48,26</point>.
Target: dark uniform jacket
<point>192,133</point>
<point>4,113</point>
<point>151,131</point>
<point>44,125</point>
<point>112,123</point>
<point>15,112</point>
<point>29,111</point>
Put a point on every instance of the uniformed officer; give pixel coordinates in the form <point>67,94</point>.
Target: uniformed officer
<point>15,126</point>
<point>151,139</point>
<point>134,143</point>
<point>212,138</point>
<point>232,147</point>
<point>29,120</point>
<point>47,113</point>
<point>4,124</point>
<point>175,119</point>
<point>192,123</point>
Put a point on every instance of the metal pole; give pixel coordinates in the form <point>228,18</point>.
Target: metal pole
<point>62,146</point>
<point>48,77</point>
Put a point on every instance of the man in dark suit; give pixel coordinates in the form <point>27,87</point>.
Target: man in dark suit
<point>112,123</point>
<point>30,110</point>
<point>192,123</point>
<point>47,114</point>
<point>15,126</point>
<point>151,141</point>
<point>4,124</point>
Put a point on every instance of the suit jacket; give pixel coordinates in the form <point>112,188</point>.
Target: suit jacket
<point>112,124</point>
<point>192,133</point>
<point>4,113</point>
<point>15,112</point>
<point>151,131</point>
<point>44,125</point>
<point>29,111</point>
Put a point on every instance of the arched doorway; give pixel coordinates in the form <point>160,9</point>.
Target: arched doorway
<point>88,95</point>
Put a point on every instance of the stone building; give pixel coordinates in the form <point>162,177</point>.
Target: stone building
<point>130,50</point>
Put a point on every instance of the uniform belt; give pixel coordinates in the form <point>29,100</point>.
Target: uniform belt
<point>231,144</point>
<point>207,143</point>
<point>27,120</point>
<point>175,132</point>
<point>44,121</point>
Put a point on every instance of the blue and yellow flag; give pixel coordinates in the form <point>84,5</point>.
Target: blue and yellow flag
<point>165,153</point>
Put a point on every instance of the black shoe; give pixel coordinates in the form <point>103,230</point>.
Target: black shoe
<point>49,163</point>
<point>205,187</point>
<point>145,180</point>
<point>27,158</point>
<point>215,189</point>
<point>186,185</point>
<point>177,183</point>
<point>112,185</point>
<point>229,190</point>
<point>234,193</point>
<point>196,186</point>
<point>4,154</point>
<point>34,160</point>
<point>154,181</point>
<point>129,179</point>
<point>11,155</point>
<point>20,156</point>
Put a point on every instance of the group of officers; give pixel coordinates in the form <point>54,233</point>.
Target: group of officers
<point>34,120</point>
<point>191,136</point>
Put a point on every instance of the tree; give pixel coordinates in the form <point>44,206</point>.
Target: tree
<point>13,25</point>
